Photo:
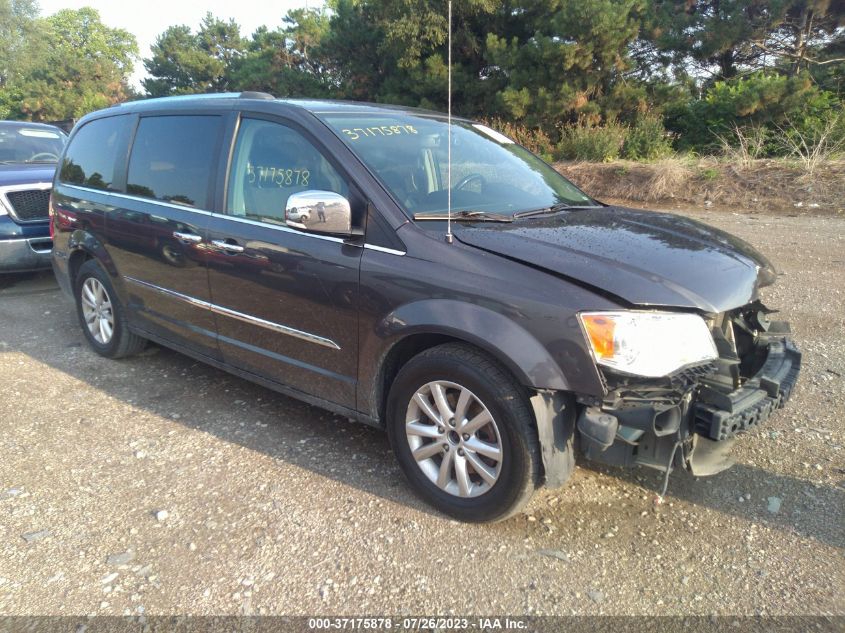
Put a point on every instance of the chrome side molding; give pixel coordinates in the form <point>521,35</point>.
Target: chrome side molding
<point>234,314</point>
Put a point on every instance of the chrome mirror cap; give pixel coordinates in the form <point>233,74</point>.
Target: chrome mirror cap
<point>319,212</point>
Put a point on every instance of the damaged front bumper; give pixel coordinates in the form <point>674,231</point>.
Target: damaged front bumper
<point>691,419</point>
<point>720,416</point>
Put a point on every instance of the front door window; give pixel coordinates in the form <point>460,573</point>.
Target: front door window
<point>271,162</point>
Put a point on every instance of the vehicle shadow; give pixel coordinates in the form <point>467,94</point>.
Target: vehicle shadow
<point>27,283</point>
<point>172,385</point>
<point>803,507</point>
<point>236,411</point>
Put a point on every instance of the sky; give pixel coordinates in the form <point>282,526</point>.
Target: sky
<point>149,18</point>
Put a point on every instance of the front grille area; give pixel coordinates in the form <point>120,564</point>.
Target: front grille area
<point>30,205</point>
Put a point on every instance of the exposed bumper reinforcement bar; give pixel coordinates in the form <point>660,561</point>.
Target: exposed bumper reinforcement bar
<point>720,416</point>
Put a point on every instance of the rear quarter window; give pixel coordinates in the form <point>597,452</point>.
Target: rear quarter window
<point>91,157</point>
<point>173,157</point>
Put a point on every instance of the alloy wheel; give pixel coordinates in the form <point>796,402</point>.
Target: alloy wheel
<point>454,439</point>
<point>97,310</point>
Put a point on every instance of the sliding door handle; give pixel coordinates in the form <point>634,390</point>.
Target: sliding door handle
<point>191,238</point>
<point>223,245</point>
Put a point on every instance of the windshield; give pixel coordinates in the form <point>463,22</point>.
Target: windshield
<point>30,144</point>
<point>490,173</point>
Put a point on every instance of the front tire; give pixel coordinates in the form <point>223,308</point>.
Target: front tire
<point>464,435</point>
<point>101,315</point>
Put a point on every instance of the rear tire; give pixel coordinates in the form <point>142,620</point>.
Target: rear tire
<point>464,434</point>
<point>101,315</point>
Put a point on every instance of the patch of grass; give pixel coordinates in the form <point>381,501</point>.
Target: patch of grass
<point>710,173</point>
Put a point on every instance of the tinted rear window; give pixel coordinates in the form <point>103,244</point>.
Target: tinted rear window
<point>172,159</point>
<point>92,154</point>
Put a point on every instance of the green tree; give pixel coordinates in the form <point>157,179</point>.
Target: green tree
<point>829,73</point>
<point>535,62</point>
<point>286,61</point>
<point>571,61</point>
<point>809,28</point>
<point>175,64</point>
<point>17,25</point>
<point>712,37</point>
<point>75,64</point>
<point>351,48</point>
<point>722,38</point>
<point>395,50</point>
<point>184,62</point>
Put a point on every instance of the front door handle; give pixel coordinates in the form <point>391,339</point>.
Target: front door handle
<point>193,238</point>
<point>227,246</point>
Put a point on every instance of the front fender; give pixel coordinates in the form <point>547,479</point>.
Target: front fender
<point>499,336</point>
<point>503,339</point>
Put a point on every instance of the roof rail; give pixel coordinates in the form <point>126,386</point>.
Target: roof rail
<point>252,94</point>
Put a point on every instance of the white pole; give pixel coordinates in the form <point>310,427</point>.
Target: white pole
<point>449,138</point>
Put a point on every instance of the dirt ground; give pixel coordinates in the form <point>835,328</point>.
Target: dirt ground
<point>765,186</point>
<point>159,485</point>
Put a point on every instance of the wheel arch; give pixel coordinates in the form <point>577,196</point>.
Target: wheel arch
<point>83,246</point>
<point>415,327</point>
<point>75,261</point>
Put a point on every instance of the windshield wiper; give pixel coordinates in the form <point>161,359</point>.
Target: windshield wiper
<point>477,216</point>
<point>555,208</point>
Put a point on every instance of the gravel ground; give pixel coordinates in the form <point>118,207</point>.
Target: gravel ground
<point>159,485</point>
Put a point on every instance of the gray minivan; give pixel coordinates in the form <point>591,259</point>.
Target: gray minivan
<point>306,245</point>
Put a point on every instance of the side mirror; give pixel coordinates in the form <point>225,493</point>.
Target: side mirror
<point>319,212</point>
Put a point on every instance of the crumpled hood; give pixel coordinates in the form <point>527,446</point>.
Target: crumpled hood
<point>26,173</point>
<point>642,257</point>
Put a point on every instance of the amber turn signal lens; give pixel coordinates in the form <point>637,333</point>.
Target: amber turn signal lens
<point>600,329</point>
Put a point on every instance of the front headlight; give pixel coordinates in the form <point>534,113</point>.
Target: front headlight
<point>650,344</point>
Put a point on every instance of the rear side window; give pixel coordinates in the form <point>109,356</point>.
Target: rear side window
<point>92,154</point>
<point>173,157</point>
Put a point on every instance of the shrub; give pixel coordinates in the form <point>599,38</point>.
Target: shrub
<point>596,143</point>
<point>814,141</point>
<point>744,145</point>
<point>762,100</point>
<point>647,139</point>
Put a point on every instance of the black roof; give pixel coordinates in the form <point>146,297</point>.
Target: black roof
<point>328,106</point>
<point>315,106</point>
